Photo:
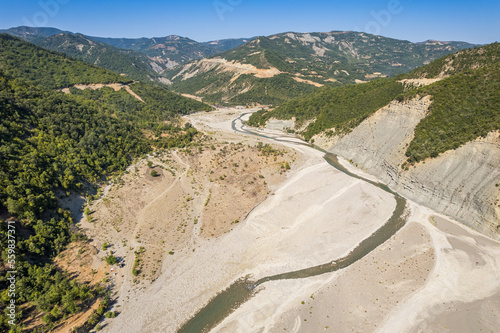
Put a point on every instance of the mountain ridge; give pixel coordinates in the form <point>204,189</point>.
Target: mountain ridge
<point>310,59</point>
<point>181,49</point>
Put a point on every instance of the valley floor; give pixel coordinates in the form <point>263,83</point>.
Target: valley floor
<point>221,223</point>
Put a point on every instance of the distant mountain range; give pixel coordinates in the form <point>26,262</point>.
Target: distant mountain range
<point>253,72</point>
<point>172,50</point>
<point>263,70</point>
<point>139,58</point>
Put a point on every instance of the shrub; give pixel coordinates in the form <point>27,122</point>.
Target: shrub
<point>111,260</point>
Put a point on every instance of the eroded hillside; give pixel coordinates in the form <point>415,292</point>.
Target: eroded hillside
<point>166,203</point>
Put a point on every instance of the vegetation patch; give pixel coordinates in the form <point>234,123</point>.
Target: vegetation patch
<point>464,107</point>
<point>341,108</point>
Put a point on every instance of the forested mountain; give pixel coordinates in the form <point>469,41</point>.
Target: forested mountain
<point>33,34</point>
<point>167,51</point>
<point>52,141</point>
<point>49,69</point>
<point>134,65</point>
<point>465,102</point>
<point>138,58</point>
<point>310,59</point>
<point>173,50</point>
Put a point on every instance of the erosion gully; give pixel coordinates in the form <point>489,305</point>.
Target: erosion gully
<point>244,288</point>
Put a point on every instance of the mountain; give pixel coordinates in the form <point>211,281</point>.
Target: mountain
<point>222,45</point>
<point>171,51</point>
<point>253,70</point>
<point>52,70</point>
<point>142,59</point>
<point>33,34</point>
<point>432,134</point>
<point>134,65</point>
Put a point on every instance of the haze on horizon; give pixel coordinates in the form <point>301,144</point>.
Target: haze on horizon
<point>205,20</point>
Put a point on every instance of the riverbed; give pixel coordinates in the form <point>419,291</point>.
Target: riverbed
<point>319,215</point>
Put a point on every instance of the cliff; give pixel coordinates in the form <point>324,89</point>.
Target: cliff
<point>462,183</point>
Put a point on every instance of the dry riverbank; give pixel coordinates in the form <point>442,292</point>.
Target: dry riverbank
<point>422,278</point>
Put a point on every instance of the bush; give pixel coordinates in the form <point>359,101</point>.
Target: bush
<point>110,314</point>
<point>111,260</point>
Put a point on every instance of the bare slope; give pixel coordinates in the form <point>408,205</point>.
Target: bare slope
<point>461,183</point>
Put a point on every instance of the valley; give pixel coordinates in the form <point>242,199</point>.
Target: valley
<point>334,181</point>
<point>278,236</point>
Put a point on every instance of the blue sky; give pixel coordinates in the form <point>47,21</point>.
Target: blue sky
<point>203,20</point>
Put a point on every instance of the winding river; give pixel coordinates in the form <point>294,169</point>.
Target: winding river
<point>243,289</point>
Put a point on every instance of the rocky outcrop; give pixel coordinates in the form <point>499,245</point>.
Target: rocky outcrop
<point>281,125</point>
<point>463,183</point>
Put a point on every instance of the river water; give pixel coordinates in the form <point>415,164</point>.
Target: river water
<point>243,289</point>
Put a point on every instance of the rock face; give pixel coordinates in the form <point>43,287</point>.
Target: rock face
<point>278,124</point>
<point>462,183</point>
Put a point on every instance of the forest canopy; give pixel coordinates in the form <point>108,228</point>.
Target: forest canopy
<point>54,144</point>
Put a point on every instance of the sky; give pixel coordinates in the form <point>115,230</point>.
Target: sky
<point>203,20</point>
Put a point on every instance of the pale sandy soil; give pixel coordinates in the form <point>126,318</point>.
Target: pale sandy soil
<point>114,86</point>
<point>421,82</point>
<point>316,84</point>
<point>431,274</point>
<point>315,215</point>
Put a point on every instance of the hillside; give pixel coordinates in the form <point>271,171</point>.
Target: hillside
<point>134,65</point>
<point>310,59</point>
<point>49,69</point>
<point>469,84</point>
<point>54,145</point>
<point>334,109</point>
<point>466,104</point>
<point>431,134</point>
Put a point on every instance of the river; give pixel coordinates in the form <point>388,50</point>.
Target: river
<point>243,289</point>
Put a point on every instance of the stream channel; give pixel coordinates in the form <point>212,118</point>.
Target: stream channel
<point>243,289</point>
